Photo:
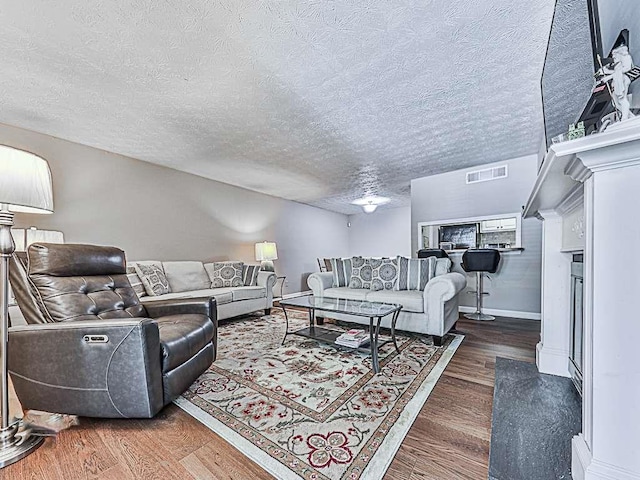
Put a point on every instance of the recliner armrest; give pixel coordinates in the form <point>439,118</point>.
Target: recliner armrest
<point>102,368</point>
<point>203,306</point>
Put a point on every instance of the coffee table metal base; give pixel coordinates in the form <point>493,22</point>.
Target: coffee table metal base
<point>329,336</point>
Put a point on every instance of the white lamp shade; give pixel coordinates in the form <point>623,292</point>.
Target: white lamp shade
<point>43,236</point>
<point>25,182</point>
<point>266,251</point>
<point>19,239</point>
<point>23,238</point>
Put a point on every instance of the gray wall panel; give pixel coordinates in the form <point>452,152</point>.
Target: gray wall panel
<point>516,285</point>
<point>383,233</point>
<point>154,212</point>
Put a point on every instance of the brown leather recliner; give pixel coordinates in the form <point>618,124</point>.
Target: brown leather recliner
<point>90,347</point>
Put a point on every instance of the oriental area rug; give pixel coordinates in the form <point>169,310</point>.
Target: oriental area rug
<point>307,410</point>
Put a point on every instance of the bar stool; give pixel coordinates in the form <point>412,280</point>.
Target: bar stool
<point>480,261</point>
<point>432,252</point>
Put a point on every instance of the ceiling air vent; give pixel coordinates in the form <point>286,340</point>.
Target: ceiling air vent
<point>487,174</point>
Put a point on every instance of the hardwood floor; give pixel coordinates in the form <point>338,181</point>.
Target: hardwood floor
<point>449,439</point>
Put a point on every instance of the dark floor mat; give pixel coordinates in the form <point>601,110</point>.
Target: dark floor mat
<point>534,418</point>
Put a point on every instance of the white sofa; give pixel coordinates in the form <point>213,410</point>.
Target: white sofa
<point>188,279</point>
<point>433,311</point>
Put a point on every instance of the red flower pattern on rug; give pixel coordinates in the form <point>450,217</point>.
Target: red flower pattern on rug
<point>328,448</point>
<point>259,410</point>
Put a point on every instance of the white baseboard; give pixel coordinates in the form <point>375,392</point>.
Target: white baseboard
<point>604,471</point>
<point>580,457</point>
<point>294,294</point>
<point>502,313</point>
<point>552,361</point>
<point>585,467</point>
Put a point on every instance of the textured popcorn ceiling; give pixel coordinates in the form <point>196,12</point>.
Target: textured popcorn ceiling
<point>317,101</point>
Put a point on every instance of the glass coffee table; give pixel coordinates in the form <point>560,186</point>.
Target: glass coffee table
<point>374,311</point>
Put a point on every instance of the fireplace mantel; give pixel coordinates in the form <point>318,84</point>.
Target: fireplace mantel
<point>599,174</point>
<point>567,165</point>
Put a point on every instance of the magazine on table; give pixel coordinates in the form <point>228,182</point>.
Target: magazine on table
<point>353,338</point>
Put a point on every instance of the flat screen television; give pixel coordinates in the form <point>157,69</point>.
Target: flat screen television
<point>570,62</point>
<point>582,30</point>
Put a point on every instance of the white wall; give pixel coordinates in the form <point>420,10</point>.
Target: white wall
<point>383,233</point>
<point>516,286</point>
<point>153,212</point>
<point>616,15</point>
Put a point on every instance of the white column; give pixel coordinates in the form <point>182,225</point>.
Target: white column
<point>552,353</point>
<point>609,447</point>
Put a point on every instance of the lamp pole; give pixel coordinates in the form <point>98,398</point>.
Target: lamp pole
<point>25,186</point>
<point>13,446</point>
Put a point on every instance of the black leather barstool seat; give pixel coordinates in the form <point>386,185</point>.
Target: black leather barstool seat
<point>480,261</point>
<point>432,252</point>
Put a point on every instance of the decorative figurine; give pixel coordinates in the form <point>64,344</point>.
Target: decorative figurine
<point>617,80</point>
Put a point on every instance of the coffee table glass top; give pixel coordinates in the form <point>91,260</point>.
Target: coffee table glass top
<point>341,305</point>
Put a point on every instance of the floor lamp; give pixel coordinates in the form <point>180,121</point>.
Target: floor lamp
<point>25,186</point>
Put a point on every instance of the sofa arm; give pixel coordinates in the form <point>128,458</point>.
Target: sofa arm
<point>319,282</point>
<point>203,306</point>
<point>441,301</point>
<point>267,279</point>
<point>102,368</point>
<point>445,287</point>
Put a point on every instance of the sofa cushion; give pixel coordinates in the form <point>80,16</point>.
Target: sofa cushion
<point>225,274</point>
<point>186,276</point>
<point>222,295</point>
<point>443,266</point>
<point>346,292</point>
<point>384,273</point>
<point>361,273</point>
<point>411,300</point>
<point>181,337</point>
<point>341,269</point>
<point>250,275</point>
<point>153,278</point>
<point>414,273</point>
<point>248,293</point>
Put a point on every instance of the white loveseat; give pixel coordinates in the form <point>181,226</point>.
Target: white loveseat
<point>433,311</point>
<point>189,279</point>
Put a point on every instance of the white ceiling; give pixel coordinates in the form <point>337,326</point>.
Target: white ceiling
<point>318,101</point>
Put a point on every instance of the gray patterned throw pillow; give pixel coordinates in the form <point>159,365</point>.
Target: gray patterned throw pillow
<point>225,274</point>
<point>384,273</point>
<point>443,266</point>
<point>153,278</point>
<point>136,283</point>
<point>361,273</point>
<point>341,269</point>
<point>250,275</point>
<point>415,273</point>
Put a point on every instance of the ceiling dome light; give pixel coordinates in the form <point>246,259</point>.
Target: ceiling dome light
<point>369,208</point>
<point>370,203</point>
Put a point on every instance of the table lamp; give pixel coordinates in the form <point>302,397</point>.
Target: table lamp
<point>25,186</point>
<point>22,238</point>
<point>266,252</point>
